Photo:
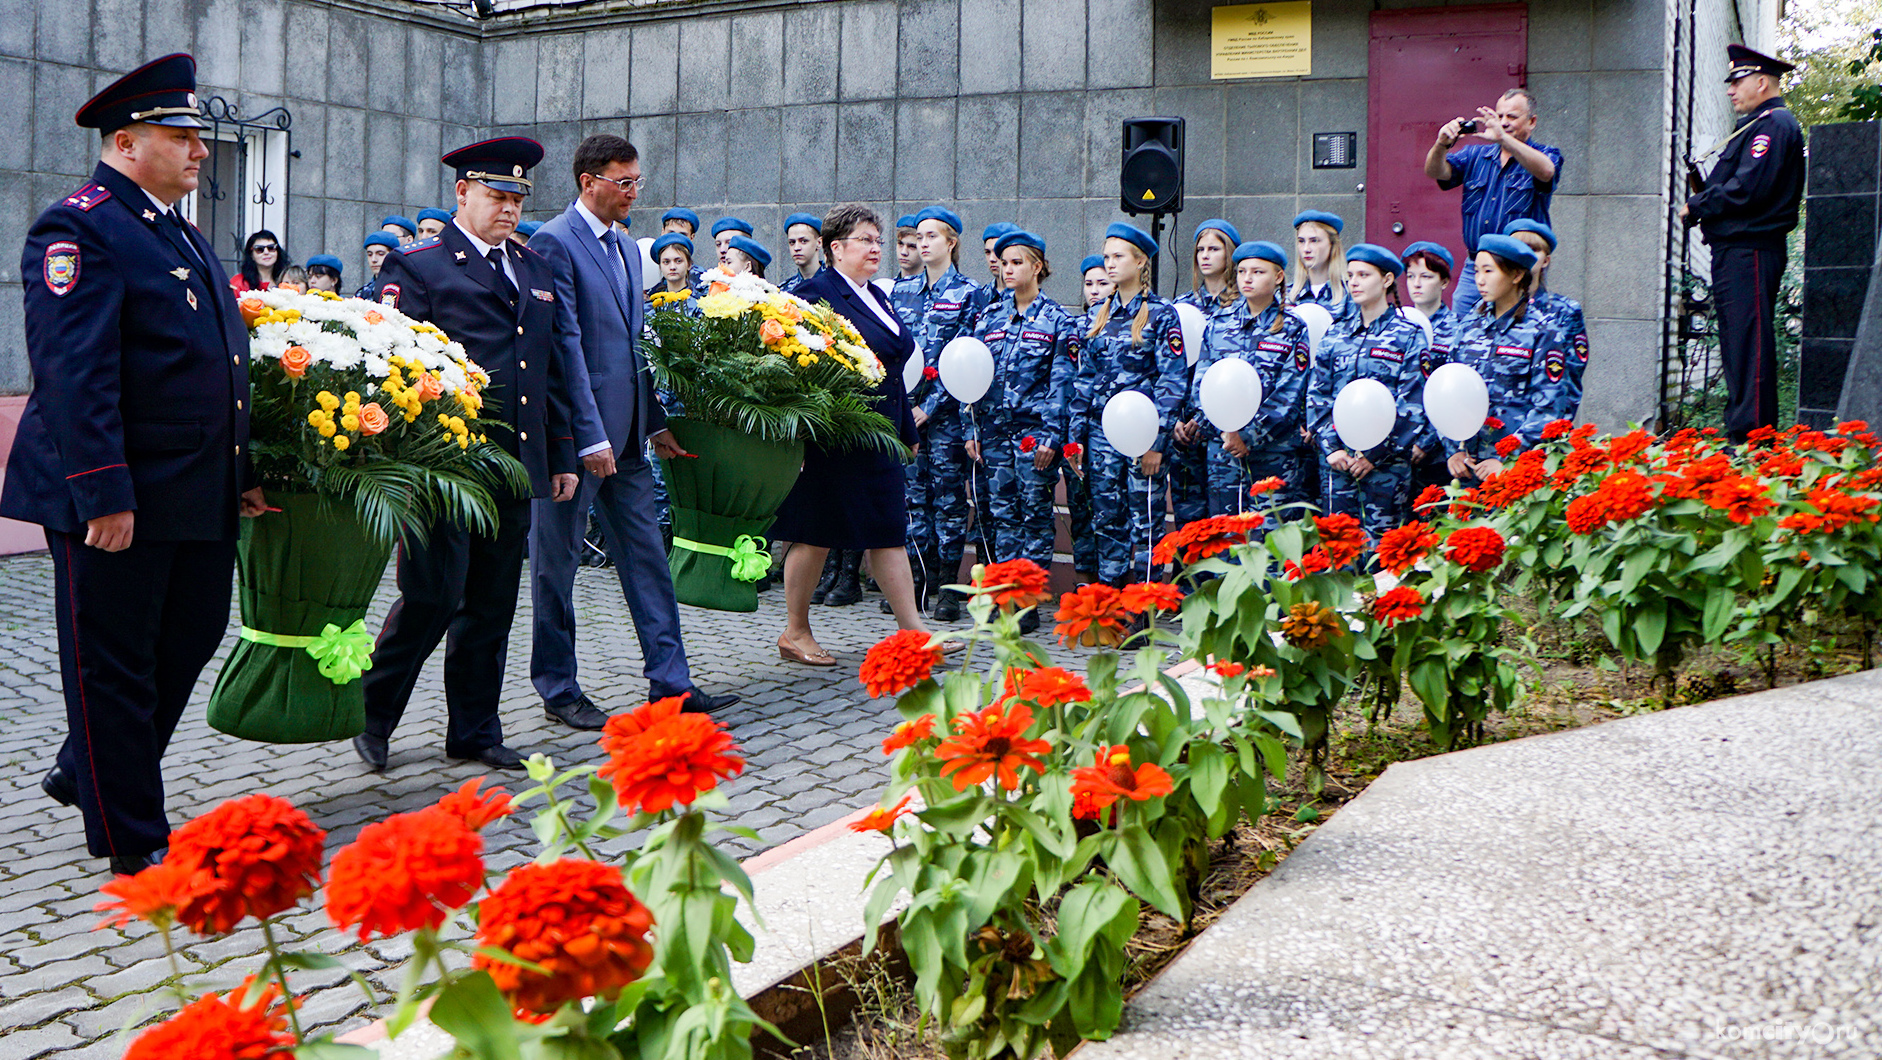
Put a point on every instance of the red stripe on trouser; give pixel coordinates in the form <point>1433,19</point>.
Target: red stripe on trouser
<point>84,711</point>
<point>1757,353</point>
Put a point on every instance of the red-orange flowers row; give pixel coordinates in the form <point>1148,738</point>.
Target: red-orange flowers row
<point>992,743</point>
<point>1016,583</point>
<point>1111,778</point>
<point>898,663</point>
<point>574,918</point>
<point>658,756</point>
<point>250,1024</point>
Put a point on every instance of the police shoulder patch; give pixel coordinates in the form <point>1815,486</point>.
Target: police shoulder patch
<point>1554,364</point>
<point>87,197</point>
<point>61,268</point>
<point>1760,144</point>
<point>389,295</point>
<point>1581,347</point>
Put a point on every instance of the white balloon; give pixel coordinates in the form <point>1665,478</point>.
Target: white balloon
<point>1193,321</point>
<point>1363,414</point>
<point>1418,317</point>
<point>966,368</point>
<point>649,268</point>
<point>1456,401</point>
<point>1231,393</point>
<point>885,285</point>
<point>1317,318</point>
<point>911,372</point>
<point>1130,423</point>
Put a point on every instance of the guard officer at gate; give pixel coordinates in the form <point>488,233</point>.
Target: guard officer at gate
<point>1746,208</point>
<point>132,451</point>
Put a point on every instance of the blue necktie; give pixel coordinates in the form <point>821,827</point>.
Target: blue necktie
<point>616,264</point>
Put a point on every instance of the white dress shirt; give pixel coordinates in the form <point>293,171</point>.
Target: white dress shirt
<point>868,298</point>
<point>484,249</point>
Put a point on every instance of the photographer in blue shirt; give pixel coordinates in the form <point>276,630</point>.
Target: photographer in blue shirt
<point>1509,177</point>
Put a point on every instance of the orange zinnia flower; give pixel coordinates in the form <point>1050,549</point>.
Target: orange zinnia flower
<point>898,662</point>
<point>1315,561</point>
<point>1226,670</point>
<point>1587,514</point>
<point>1310,626</point>
<point>1016,582</point>
<point>1342,538</point>
<point>477,809</point>
<point>575,918</point>
<point>253,856</point>
<point>1476,548</point>
<point>294,361</point>
<point>1139,597</point>
<point>1400,549</point>
<point>1741,499</point>
<point>1628,495</point>
<point>1052,686</point>
<point>1266,485</point>
<point>153,895</point>
<point>250,1025</point>
<point>658,756</point>
<point>1429,496</point>
<point>1092,605</point>
<point>991,743</point>
<point>404,873</point>
<point>909,733</point>
<point>1556,428</point>
<point>1112,779</point>
<point>1398,604</point>
<point>881,819</point>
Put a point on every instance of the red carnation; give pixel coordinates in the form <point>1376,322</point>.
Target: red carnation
<point>1491,423</point>
<point>1071,449</point>
<point>931,372</point>
<point>1028,444</point>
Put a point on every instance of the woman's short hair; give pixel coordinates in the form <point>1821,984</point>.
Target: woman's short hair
<point>843,220</point>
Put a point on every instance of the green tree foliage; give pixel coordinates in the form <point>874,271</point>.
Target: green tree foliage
<point>1839,60</point>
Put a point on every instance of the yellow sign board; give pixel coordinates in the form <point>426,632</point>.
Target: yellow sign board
<point>1262,40</point>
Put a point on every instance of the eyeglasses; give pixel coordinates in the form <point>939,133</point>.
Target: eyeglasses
<point>624,185</point>
<point>866,241</point>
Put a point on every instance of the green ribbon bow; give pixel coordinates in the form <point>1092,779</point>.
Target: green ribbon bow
<point>343,654</point>
<point>750,561</point>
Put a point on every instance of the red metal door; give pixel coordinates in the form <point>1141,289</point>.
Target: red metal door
<point>1429,65</point>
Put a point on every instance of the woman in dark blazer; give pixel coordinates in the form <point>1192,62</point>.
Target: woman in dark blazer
<point>851,498</point>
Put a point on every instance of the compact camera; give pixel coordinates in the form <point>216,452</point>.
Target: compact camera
<point>1468,126</point>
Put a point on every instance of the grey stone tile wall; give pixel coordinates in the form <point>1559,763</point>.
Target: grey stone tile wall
<point>1843,222</point>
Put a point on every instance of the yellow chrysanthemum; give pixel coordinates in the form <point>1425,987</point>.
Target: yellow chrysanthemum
<point>326,428</point>
<point>350,421</point>
<point>340,442</point>
<point>326,400</point>
<point>316,418</point>
<point>723,304</point>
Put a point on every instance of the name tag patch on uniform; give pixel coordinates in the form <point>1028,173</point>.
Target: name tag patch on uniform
<point>1386,353</point>
<point>389,295</point>
<point>996,336</point>
<point>542,296</point>
<point>1513,351</point>
<point>1760,144</point>
<point>61,268</point>
<point>1272,346</point>
<point>1035,336</point>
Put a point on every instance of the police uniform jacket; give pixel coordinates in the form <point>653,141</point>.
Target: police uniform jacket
<point>936,313</point>
<point>1525,365</point>
<point>1392,350</point>
<point>140,372</point>
<point>1280,357</point>
<point>1750,198</point>
<point>1035,355</point>
<point>445,280</point>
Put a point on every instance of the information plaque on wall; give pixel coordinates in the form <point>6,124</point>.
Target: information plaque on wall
<point>1262,40</point>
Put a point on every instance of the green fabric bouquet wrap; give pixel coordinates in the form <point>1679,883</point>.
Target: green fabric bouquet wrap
<point>724,498</point>
<point>308,573</point>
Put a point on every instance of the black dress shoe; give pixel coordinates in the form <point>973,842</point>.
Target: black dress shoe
<point>372,751</point>
<point>698,702</point>
<point>578,713</point>
<point>132,864</point>
<point>60,787</point>
<point>496,756</point>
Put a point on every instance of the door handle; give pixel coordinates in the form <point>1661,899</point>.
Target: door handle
<point>1398,228</point>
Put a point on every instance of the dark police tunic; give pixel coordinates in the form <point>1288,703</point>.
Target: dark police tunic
<point>456,581</point>
<point>140,403</point>
<point>1746,210</point>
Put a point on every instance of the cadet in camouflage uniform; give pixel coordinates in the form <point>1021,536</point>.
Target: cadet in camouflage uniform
<point>1021,422</point>
<point>936,305</point>
<point>1096,284</point>
<point>1212,290</point>
<point>1520,353</point>
<point>1256,328</point>
<point>1428,270</point>
<point>1373,342</point>
<point>1135,343</point>
<point>1563,310</point>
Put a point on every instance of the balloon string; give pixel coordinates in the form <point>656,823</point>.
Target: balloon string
<point>1150,546</point>
<point>974,487</point>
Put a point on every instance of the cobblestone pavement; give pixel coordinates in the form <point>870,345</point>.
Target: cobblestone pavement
<point>811,735</point>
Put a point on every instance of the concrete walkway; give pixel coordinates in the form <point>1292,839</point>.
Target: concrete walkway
<point>1705,882</point>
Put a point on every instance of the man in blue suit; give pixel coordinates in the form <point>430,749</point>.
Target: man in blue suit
<point>132,451</point>
<point>613,413</point>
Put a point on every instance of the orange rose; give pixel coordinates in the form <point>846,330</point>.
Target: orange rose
<point>372,418</point>
<point>771,332</point>
<point>294,361</point>
<point>429,387</point>
<point>791,313</point>
<point>373,316</point>
<point>717,288</point>
<point>253,309</point>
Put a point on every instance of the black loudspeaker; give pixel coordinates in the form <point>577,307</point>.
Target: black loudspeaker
<point>1150,180</point>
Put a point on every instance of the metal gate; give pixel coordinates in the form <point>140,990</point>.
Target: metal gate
<point>244,177</point>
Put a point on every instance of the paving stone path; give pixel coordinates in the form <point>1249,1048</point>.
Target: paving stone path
<point>811,735</point>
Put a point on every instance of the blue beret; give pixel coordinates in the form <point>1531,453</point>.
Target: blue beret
<point>1092,261</point>
<point>503,163</point>
<point>730,224</point>
<point>382,239</point>
<point>1524,224</point>
<point>1435,250</point>
<point>942,214</point>
<point>1509,248</point>
<point>752,249</point>
<point>997,229</point>
<point>1221,226</point>
<point>681,213</point>
<point>671,239</point>
<point>1377,256</point>
<point>1331,220</point>
<point>907,220</point>
<point>161,92</point>
<point>1133,235</point>
<point>1262,250</point>
<point>431,214</point>
<point>327,260</point>
<point>410,226</point>
<point>528,228</point>
<point>804,219</point>
<point>1019,238</point>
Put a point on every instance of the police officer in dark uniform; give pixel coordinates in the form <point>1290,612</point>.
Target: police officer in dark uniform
<point>1746,208</point>
<point>498,299</point>
<point>132,451</point>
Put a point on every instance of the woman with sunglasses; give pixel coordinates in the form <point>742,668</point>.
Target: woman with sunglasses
<point>263,261</point>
